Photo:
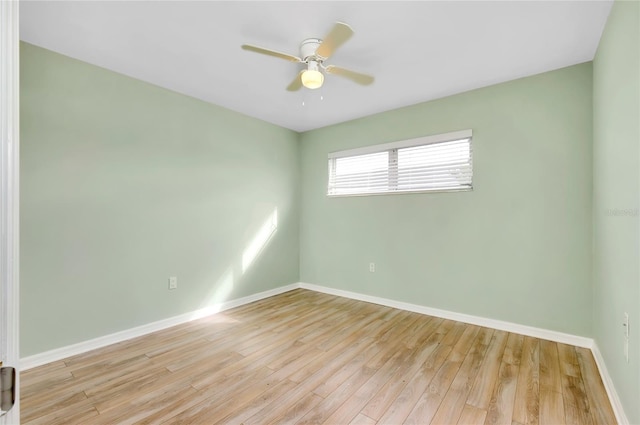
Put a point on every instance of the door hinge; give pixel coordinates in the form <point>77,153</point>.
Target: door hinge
<point>7,388</point>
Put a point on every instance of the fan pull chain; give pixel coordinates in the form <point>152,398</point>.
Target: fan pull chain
<point>310,95</point>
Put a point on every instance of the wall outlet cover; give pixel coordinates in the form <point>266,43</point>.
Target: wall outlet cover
<point>173,282</point>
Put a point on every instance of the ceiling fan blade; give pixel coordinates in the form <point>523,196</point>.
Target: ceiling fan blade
<point>296,84</point>
<point>269,52</point>
<point>337,36</point>
<point>359,78</point>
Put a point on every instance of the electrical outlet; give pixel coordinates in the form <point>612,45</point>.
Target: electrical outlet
<point>173,282</point>
<point>372,267</point>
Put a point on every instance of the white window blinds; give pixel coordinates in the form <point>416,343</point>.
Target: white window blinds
<point>433,163</point>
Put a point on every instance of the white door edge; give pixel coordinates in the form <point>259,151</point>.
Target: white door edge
<point>9,193</point>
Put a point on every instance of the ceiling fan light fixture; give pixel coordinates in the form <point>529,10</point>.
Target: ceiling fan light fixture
<point>311,77</point>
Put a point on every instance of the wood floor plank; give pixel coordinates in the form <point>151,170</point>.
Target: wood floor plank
<point>601,410</point>
<point>114,363</point>
<point>421,331</point>
<point>236,414</point>
<point>551,406</point>
<point>482,390</point>
<point>137,379</point>
<point>320,413</point>
<point>472,416</point>
<point>275,347</point>
<point>362,420</point>
<point>383,376</point>
<point>389,391</point>
<point>247,394</point>
<point>550,366</point>
<point>334,359</point>
<point>38,397</point>
<point>77,413</point>
<point>50,371</point>
<point>409,396</point>
<point>166,384</point>
<point>576,404</point>
<point>574,397</point>
<point>513,349</point>
<point>292,414</point>
<point>454,401</point>
<point>38,390</point>
<point>60,402</point>
<point>307,357</point>
<point>274,410</point>
<point>135,410</point>
<point>354,365</point>
<point>568,359</point>
<point>403,325</point>
<point>373,358</point>
<point>526,405</point>
<point>430,400</point>
<point>500,410</point>
<point>215,395</point>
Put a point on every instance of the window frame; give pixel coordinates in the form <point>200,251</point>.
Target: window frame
<point>392,148</point>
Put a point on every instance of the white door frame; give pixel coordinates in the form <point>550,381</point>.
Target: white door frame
<point>9,193</point>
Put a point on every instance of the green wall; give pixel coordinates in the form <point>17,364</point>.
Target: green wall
<point>125,184</point>
<point>616,200</point>
<point>516,248</point>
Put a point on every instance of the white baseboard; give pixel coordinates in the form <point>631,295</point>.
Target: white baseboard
<point>616,404</point>
<point>564,338</point>
<point>92,344</point>
<point>82,347</point>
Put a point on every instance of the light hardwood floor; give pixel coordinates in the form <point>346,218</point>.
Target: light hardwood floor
<point>306,357</point>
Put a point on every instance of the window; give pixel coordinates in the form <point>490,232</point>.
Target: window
<point>432,163</point>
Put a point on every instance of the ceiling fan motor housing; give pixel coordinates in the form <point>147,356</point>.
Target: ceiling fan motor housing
<point>308,49</point>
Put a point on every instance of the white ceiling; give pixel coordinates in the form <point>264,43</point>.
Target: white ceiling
<point>417,51</point>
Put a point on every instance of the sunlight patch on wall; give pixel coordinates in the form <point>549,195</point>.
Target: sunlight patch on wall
<point>260,240</point>
<point>217,296</point>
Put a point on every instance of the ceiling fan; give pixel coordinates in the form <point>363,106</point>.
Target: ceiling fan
<point>313,53</point>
